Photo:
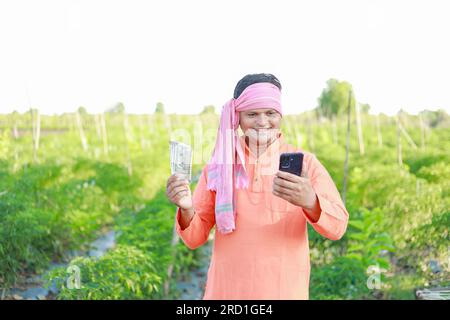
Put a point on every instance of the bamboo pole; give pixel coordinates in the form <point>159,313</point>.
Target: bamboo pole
<point>174,242</point>
<point>151,127</point>
<point>422,131</point>
<point>141,133</point>
<point>347,146</point>
<point>334,127</point>
<point>167,123</point>
<point>380,137</point>
<point>127,148</point>
<point>151,124</point>
<point>310,133</point>
<point>15,131</point>
<point>104,135</point>
<point>407,136</point>
<point>298,133</point>
<point>399,141</point>
<point>98,127</point>
<point>36,126</point>
<point>81,131</point>
<point>33,126</point>
<point>359,127</point>
<point>13,123</point>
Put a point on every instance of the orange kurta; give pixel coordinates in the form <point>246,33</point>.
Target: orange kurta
<point>267,255</point>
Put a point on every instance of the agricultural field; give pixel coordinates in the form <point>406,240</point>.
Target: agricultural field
<point>66,180</point>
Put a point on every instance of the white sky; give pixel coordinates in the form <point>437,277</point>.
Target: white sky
<point>58,55</point>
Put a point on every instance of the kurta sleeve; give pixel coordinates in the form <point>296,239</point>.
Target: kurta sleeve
<point>196,234</point>
<point>333,218</point>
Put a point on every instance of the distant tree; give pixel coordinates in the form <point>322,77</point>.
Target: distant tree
<point>118,108</point>
<point>160,108</point>
<point>435,118</point>
<point>31,111</point>
<point>14,116</point>
<point>210,109</point>
<point>364,107</point>
<point>334,98</point>
<point>82,110</point>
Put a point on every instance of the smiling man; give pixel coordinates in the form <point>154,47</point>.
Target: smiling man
<point>261,243</point>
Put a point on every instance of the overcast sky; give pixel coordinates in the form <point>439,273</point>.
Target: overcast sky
<point>59,55</point>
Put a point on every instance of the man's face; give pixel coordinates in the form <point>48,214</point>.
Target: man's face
<point>261,126</point>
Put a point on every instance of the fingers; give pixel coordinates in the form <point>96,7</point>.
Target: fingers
<point>284,183</point>
<point>292,177</point>
<point>175,177</point>
<point>288,176</point>
<point>177,188</point>
<point>172,178</point>
<point>281,195</point>
<point>175,181</point>
<point>178,183</point>
<point>180,195</point>
<point>171,193</point>
<point>281,190</point>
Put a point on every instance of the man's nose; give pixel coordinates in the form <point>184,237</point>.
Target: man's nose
<point>262,120</point>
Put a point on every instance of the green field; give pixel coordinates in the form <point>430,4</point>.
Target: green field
<point>96,173</point>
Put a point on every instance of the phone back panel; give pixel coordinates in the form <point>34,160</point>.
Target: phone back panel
<point>291,162</point>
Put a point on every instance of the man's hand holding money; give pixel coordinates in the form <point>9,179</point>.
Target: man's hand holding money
<point>178,192</point>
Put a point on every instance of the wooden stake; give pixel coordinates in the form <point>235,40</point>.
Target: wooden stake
<point>380,137</point>
<point>104,135</point>
<point>347,146</point>
<point>399,141</point>
<point>151,124</point>
<point>334,127</point>
<point>81,131</point>
<point>174,242</point>
<point>407,136</point>
<point>167,123</point>
<point>141,133</point>
<point>13,122</point>
<point>127,148</point>
<point>36,125</point>
<point>310,133</point>
<point>98,127</point>
<point>422,131</point>
<point>358,125</point>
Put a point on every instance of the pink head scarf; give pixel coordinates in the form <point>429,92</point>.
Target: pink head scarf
<point>226,169</point>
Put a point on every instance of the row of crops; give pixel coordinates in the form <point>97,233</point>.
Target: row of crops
<point>65,180</point>
<point>66,196</point>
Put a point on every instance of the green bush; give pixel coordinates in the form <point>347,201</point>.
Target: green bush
<point>345,278</point>
<point>123,273</point>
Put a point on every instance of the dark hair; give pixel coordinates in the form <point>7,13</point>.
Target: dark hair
<point>255,78</point>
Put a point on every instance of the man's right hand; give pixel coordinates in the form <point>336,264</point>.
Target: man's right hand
<point>178,192</point>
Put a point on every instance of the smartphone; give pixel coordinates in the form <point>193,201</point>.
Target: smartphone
<point>291,162</point>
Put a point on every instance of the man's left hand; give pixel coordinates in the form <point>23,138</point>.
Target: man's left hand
<point>295,189</point>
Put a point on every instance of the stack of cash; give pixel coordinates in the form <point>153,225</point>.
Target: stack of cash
<point>181,159</point>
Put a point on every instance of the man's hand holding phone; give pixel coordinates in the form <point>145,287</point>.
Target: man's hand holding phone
<point>296,189</point>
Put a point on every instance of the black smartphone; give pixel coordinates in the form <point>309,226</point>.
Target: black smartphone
<point>291,162</point>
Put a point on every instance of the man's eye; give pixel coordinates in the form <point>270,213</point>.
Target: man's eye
<point>250,114</point>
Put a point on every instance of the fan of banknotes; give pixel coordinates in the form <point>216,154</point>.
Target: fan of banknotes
<point>181,159</point>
